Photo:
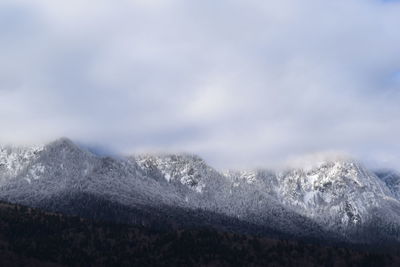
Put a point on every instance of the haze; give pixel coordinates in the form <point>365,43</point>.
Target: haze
<point>241,83</point>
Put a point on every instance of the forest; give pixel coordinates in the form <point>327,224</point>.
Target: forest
<point>31,237</point>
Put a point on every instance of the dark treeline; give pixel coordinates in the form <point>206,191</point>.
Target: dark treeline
<point>30,237</point>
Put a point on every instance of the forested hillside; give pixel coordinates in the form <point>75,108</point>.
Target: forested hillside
<point>30,237</point>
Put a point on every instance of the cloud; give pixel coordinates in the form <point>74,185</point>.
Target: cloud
<point>241,83</point>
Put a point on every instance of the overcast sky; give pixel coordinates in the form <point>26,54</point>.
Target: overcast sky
<point>242,83</point>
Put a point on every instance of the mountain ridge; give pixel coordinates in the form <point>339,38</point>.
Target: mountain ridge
<point>339,200</point>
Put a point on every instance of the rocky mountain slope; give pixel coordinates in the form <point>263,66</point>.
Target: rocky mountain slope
<point>392,180</point>
<point>334,200</point>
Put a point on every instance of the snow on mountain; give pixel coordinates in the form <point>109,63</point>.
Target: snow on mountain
<point>335,197</point>
<point>218,194</point>
<point>341,191</point>
<point>392,180</point>
<point>15,159</point>
<point>337,194</point>
<point>188,170</point>
<point>342,196</point>
<point>62,167</point>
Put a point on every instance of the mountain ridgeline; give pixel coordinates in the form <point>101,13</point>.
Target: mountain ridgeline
<point>335,201</point>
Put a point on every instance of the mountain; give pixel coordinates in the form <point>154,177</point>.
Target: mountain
<point>392,180</point>
<point>205,188</point>
<point>342,195</point>
<point>337,200</point>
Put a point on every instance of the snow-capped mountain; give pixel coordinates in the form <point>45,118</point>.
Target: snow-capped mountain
<point>208,189</point>
<point>62,168</point>
<point>336,199</point>
<point>341,195</point>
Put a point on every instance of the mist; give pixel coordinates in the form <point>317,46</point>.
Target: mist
<point>242,84</point>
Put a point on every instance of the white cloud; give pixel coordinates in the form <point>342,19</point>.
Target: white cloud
<point>240,82</point>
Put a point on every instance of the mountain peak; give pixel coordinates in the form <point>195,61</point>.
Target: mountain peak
<point>315,160</point>
<point>62,141</point>
<point>65,144</point>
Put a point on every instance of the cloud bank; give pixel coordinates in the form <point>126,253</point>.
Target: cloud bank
<point>242,83</point>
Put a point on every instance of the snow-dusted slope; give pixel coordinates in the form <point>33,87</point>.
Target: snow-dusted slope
<point>392,179</point>
<point>14,160</point>
<point>340,195</point>
<point>187,170</point>
<point>62,167</point>
<point>334,198</point>
<point>203,187</point>
<point>199,184</point>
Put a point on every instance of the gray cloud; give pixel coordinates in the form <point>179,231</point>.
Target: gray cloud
<point>243,83</point>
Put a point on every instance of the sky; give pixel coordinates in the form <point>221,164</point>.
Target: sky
<point>241,83</point>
